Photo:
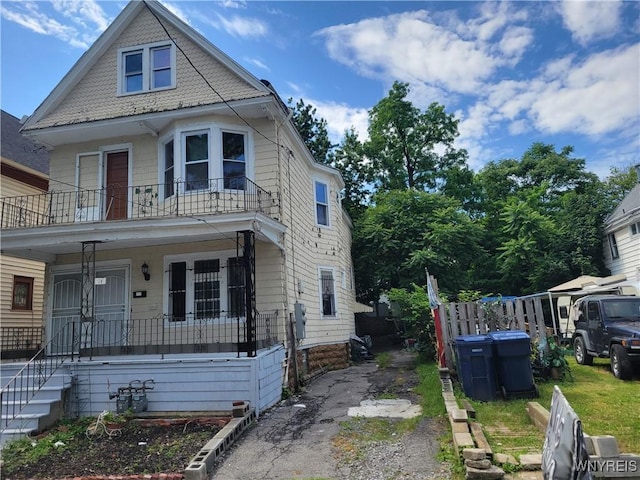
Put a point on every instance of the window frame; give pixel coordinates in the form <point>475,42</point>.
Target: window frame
<point>332,271</point>
<point>613,246</point>
<point>148,69</point>
<point>317,203</point>
<point>215,161</point>
<point>634,226</point>
<point>20,280</point>
<point>190,315</point>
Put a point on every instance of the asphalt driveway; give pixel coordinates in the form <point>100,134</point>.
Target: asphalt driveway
<point>293,440</point>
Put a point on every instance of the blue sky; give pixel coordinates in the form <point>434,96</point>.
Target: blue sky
<point>514,73</point>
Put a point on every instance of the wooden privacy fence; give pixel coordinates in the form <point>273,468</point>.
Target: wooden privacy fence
<point>477,318</point>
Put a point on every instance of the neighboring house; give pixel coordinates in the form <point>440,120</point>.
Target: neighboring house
<point>188,230</point>
<point>622,237</point>
<point>25,166</point>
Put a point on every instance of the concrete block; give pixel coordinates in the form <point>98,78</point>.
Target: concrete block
<point>605,446</point>
<point>462,440</point>
<point>539,416</point>
<point>502,458</point>
<point>459,415</point>
<point>474,454</point>
<point>459,427</point>
<point>493,473</point>
<point>588,443</point>
<point>479,464</point>
<point>531,461</point>
<point>449,396</point>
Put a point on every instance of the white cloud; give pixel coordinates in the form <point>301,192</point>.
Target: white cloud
<point>591,20</point>
<point>29,15</point>
<point>341,117</point>
<point>258,63</point>
<point>239,26</point>
<point>81,11</point>
<point>413,47</point>
<point>177,10</point>
<point>597,97</point>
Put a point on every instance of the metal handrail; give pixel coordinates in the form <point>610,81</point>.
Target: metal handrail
<point>25,384</point>
<point>179,198</point>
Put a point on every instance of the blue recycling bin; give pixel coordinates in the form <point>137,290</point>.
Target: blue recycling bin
<point>512,357</point>
<point>476,369</point>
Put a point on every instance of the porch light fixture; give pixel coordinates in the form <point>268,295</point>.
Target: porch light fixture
<point>145,271</point>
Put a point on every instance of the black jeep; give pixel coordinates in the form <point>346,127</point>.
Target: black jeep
<point>608,326</point>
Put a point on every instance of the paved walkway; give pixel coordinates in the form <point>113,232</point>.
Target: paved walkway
<point>294,439</point>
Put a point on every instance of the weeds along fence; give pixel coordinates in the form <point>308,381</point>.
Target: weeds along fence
<point>477,318</point>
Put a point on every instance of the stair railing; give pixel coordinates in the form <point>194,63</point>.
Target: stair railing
<point>25,384</point>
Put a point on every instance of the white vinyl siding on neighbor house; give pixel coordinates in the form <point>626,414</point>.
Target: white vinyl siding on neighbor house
<point>201,154</point>
<point>146,68</point>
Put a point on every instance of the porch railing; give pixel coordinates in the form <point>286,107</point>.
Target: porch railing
<point>20,342</point>
<point>179,198</point>
<point>166,335</point>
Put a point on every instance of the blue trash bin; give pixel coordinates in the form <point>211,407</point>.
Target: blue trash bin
<point>476,370</point>
<point>512,357</point>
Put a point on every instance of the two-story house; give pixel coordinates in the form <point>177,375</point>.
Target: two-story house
<point>622,237</point>
<point>24,169</point>
<point>188,234</point>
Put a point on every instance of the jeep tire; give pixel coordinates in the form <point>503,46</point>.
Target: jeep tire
<point>620,362</point>
<point>580,352</point>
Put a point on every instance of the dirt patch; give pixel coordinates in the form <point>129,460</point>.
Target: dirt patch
<point>134,447</point>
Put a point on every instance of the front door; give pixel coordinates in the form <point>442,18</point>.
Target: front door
<point>110,305</point>
<point>117,185</point>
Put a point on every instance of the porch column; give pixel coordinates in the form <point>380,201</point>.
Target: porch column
<point>249,259</point>
<point>88,281</point>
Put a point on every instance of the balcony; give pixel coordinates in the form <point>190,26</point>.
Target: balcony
<point>178,199</point>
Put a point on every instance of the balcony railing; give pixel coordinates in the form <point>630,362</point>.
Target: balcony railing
<point>180,198</point>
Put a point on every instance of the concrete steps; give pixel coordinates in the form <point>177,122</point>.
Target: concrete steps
<point>36,413</point>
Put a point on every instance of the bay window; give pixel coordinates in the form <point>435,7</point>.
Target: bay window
<point>203,155</point>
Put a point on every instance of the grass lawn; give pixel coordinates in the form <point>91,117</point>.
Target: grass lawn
<point>604,404</point>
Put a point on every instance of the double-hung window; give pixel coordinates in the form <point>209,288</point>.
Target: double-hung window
<point>146,68</point>
<point>327,293</point>
<point>234,167</point>
<point>202,289</point>
<point>322,203</point>
<point>196,158</point>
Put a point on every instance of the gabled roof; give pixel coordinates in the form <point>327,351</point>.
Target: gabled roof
<point>20,149</point>
<point>101,45</point>
<point>629,205</point>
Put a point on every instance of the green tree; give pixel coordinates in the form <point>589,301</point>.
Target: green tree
<point>350,160</point>
<point>313,130</point>
<point>405,231</point>
<point>404,143</point>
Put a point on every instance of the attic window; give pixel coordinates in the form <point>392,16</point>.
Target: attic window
<point>146,68</point>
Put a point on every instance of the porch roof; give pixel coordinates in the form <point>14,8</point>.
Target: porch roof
<point>46,242</point>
